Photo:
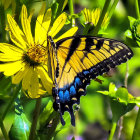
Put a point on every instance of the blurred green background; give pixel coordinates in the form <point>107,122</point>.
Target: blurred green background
<point>93,120</point>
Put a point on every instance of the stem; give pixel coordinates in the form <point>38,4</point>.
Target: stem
<point>71,9</point>
<point>114,125</point>
<point>106,5</point>
<point>11,101</point>
<point>120,128</point>
<point>126,75</point>
<point>86,29</point>
<point>113,8</point>
<point>137,9</point>
<point>35,118</point>
<point>3,130</point>
<point>136,134</point>
<point>51,130</point>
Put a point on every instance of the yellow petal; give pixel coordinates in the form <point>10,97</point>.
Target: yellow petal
<point>16,34</point>
<point>19,75</point>
<point>34,85</point>
<point>70,32</point>
<point>8,49</point>
<point>11,68</point>
<point>26,25</point>
<point>10,53</point>
<point>27,78</point>
<point>45,79</point>
<point>58,24</point>
<point>42,26</point>
<point>9,58</point>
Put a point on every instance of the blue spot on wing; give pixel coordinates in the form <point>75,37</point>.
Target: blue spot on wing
<point>86,72</point>
<point>66,96</point>
<point>72,90</point>
<point>61,96</point>
<point>77,82</point>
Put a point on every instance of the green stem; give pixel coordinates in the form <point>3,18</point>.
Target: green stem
<point>11,101</point>
<point>51,130</point>
<point>126,75</point>
<point>112,8</point>
<point>86,29</point>
<point>3,130</point>
<point>136,134</point>
<point>137,9</point>
<point>71,9</point>
<point>35,119</point>
<point>106,5</point>
<point>114,125</point>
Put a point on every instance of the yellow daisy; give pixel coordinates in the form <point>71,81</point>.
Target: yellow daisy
<point>27,60</point>
<point>92,16</point>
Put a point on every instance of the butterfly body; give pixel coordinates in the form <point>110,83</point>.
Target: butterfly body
<point>78,60</point>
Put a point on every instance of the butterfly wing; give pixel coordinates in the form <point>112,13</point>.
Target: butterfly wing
<point>82,58</point>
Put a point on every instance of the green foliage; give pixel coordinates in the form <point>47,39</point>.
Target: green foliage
<point>94,107</point>
<point>20,128</point>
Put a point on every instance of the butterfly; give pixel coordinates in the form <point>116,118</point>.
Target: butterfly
<point>75,61</point>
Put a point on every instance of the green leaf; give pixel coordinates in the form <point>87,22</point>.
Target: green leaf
<point>119,109</point>
<point>131,20</point>
<point>122,95</point>
<point>20,128</point>
<point>44,116</point>
<point>64,4</point>
<point>128,33</point>
<point>112,89</point>
<point>138,43</point>
<point>120,100</point>
<point>54,10</point>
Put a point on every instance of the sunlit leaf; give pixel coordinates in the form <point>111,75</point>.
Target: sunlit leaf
<point>20,128</point>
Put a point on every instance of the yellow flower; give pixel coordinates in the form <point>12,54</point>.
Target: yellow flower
<point>27,60</point>
<point>92,16</point>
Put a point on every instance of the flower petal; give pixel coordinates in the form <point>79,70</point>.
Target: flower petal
<point>42,26</point>
<point>10,53</point>
<point>58,24</point>
<point>27,78</point>
<point>16,34</point>
<point>11,68</point>
<point>8,49</point>
<point>26,25</point>
<point>34,85</point>
<point>19,76</point>
<point>45,79</point>
<point>9,58</point>
<point>68,33</point>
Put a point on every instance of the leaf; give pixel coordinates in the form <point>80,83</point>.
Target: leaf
<point>20,128</point>
<point>48,110</point>
<point>131,20</point>
<point>119,109</point>
<point>120,100</point>
<point>128,33</point>
<point>122,95</point>
<point>64,4</point>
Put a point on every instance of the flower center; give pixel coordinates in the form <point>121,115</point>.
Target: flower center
<point>36,55</point>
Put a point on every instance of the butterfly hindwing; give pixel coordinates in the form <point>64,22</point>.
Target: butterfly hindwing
<point>82,58</point>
